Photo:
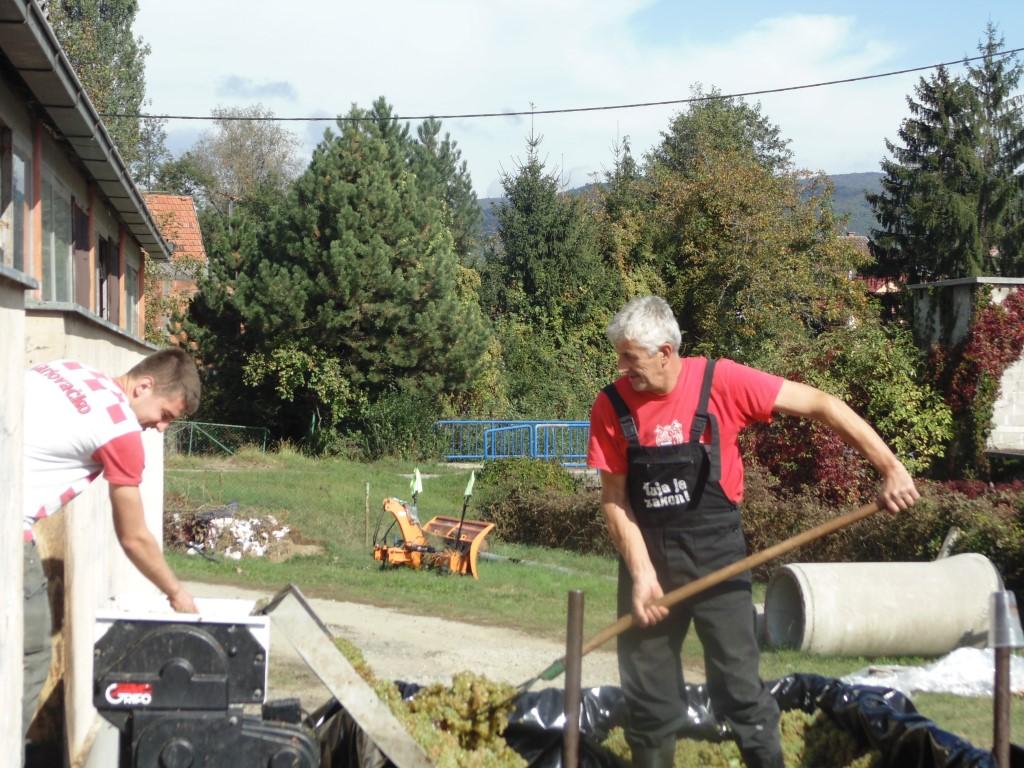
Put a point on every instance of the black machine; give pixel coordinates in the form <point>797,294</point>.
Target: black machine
<point>184,695</point>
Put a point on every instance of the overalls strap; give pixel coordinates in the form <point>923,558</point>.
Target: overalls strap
<point>625,417</point>
<point>700,418</point>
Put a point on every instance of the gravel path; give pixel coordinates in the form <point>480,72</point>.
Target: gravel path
<point>421,649</point>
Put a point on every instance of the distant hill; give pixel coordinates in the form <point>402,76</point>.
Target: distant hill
<point>848,198</point>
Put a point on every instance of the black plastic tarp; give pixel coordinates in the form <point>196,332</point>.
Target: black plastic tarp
<point>880,718</point>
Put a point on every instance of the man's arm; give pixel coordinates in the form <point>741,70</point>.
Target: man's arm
<point>628,540</point>
<point>897,491</point>
<point>142,549</point>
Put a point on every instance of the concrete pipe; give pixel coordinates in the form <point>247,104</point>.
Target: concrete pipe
<point>881,609</point>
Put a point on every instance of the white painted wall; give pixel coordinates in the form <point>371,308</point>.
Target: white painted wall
<point>1008,413</point>
<point>12,345</point>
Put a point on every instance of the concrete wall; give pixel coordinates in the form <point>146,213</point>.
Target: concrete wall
<point>12,346</point>
<point>1008,412</point>
<point>930,322</point>
<point>932,316</point>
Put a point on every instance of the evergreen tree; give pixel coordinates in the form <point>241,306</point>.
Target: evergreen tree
<point>109,60</point>
<point>551,295</point>
<point>624,225</point>
<point>547,269</point>
<point>1001,133</point>
<point>350,292</point>
<point>950,203</point>
<point>441,171</point>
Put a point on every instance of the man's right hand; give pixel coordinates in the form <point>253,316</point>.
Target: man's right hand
<point>182,601</point>
<point>646,590</point>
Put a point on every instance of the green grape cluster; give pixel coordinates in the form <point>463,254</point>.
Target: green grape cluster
<point>474,708</point>
<point>458,726</point>
<point>825,744</point>
<point>808,741</point>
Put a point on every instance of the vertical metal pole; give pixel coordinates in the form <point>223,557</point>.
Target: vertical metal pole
<point>191,430</point>
<point>573,675</point>
<point>1001,713</point>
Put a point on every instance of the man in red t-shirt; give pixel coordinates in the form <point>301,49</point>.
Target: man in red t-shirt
<point>664,437</point>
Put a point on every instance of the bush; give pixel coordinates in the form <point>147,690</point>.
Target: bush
<point>539,503</point>
<point>990,519</point>
<point>877,371</point>
<point>400,424</point>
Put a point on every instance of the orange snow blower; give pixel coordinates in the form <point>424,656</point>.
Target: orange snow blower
<point>457,541</point>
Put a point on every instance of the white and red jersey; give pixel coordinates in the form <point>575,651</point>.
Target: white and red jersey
<point>78,423</point>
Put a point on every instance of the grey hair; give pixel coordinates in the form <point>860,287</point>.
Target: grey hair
<point>648,321</point>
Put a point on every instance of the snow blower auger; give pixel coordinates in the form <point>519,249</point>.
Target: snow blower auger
<point>458,540</point>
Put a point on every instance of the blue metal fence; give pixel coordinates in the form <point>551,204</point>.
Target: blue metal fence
<point>484,440</point>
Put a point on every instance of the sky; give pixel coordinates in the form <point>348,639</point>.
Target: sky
<point>316,58</point>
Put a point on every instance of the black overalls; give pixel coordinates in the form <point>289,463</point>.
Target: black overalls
<point>691,529</point>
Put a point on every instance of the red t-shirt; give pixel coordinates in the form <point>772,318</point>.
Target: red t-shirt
<point>739,396</point>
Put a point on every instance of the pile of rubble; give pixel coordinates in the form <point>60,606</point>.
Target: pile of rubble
<point>226,531</point>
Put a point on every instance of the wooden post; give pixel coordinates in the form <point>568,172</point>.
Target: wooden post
<point>1001,709</point>
<point>366,517</point>
<point>1004,634</point>
<point>573,675</point>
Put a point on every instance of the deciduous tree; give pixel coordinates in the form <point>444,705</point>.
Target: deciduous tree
<point>109,59</point>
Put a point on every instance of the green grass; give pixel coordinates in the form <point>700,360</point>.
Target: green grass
<point>326,501</point>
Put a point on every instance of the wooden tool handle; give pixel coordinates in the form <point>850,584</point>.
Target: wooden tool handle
<point>722,574</point>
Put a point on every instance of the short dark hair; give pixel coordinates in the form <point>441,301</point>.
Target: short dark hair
<point>174,373</point>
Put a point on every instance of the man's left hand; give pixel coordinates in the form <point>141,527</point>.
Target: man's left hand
<point>182,601</point>
<point>898,491</point>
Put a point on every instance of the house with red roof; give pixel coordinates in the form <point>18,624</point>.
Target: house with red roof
<point>178,223</point>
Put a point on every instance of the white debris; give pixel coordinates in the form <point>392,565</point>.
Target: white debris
<point>234,537</point>
<point>964,672</point>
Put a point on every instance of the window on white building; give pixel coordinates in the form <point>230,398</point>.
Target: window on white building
<point>131,297</point>
<point>15,218</point>
<point>58,273</point>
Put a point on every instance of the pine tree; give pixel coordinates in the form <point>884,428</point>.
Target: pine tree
<point>441,172</point>
<point>550,294</point>
<point>1001,134</point>
<point>950,202</point>
<point>351,291</point>
<point>548,269</point>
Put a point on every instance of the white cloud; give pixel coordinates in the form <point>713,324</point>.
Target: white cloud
<point>454,56</point>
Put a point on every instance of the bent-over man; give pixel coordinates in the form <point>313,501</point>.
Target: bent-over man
<point>79,423</point>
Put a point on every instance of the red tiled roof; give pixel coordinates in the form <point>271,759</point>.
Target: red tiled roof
<point>880,285</point>
<point>175,215</point>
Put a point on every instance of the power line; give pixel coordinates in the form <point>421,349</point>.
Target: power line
<point>566,110</point>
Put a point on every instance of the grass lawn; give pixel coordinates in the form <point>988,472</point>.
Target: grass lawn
<point>327,502</point>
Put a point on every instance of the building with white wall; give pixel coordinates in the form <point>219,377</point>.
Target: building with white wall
<point>75,239</point>
<point>943,311</point>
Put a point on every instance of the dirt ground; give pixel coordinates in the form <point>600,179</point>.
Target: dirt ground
<point>420,649</point>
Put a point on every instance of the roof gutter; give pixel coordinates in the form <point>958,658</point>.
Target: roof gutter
<point>31,46</point>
